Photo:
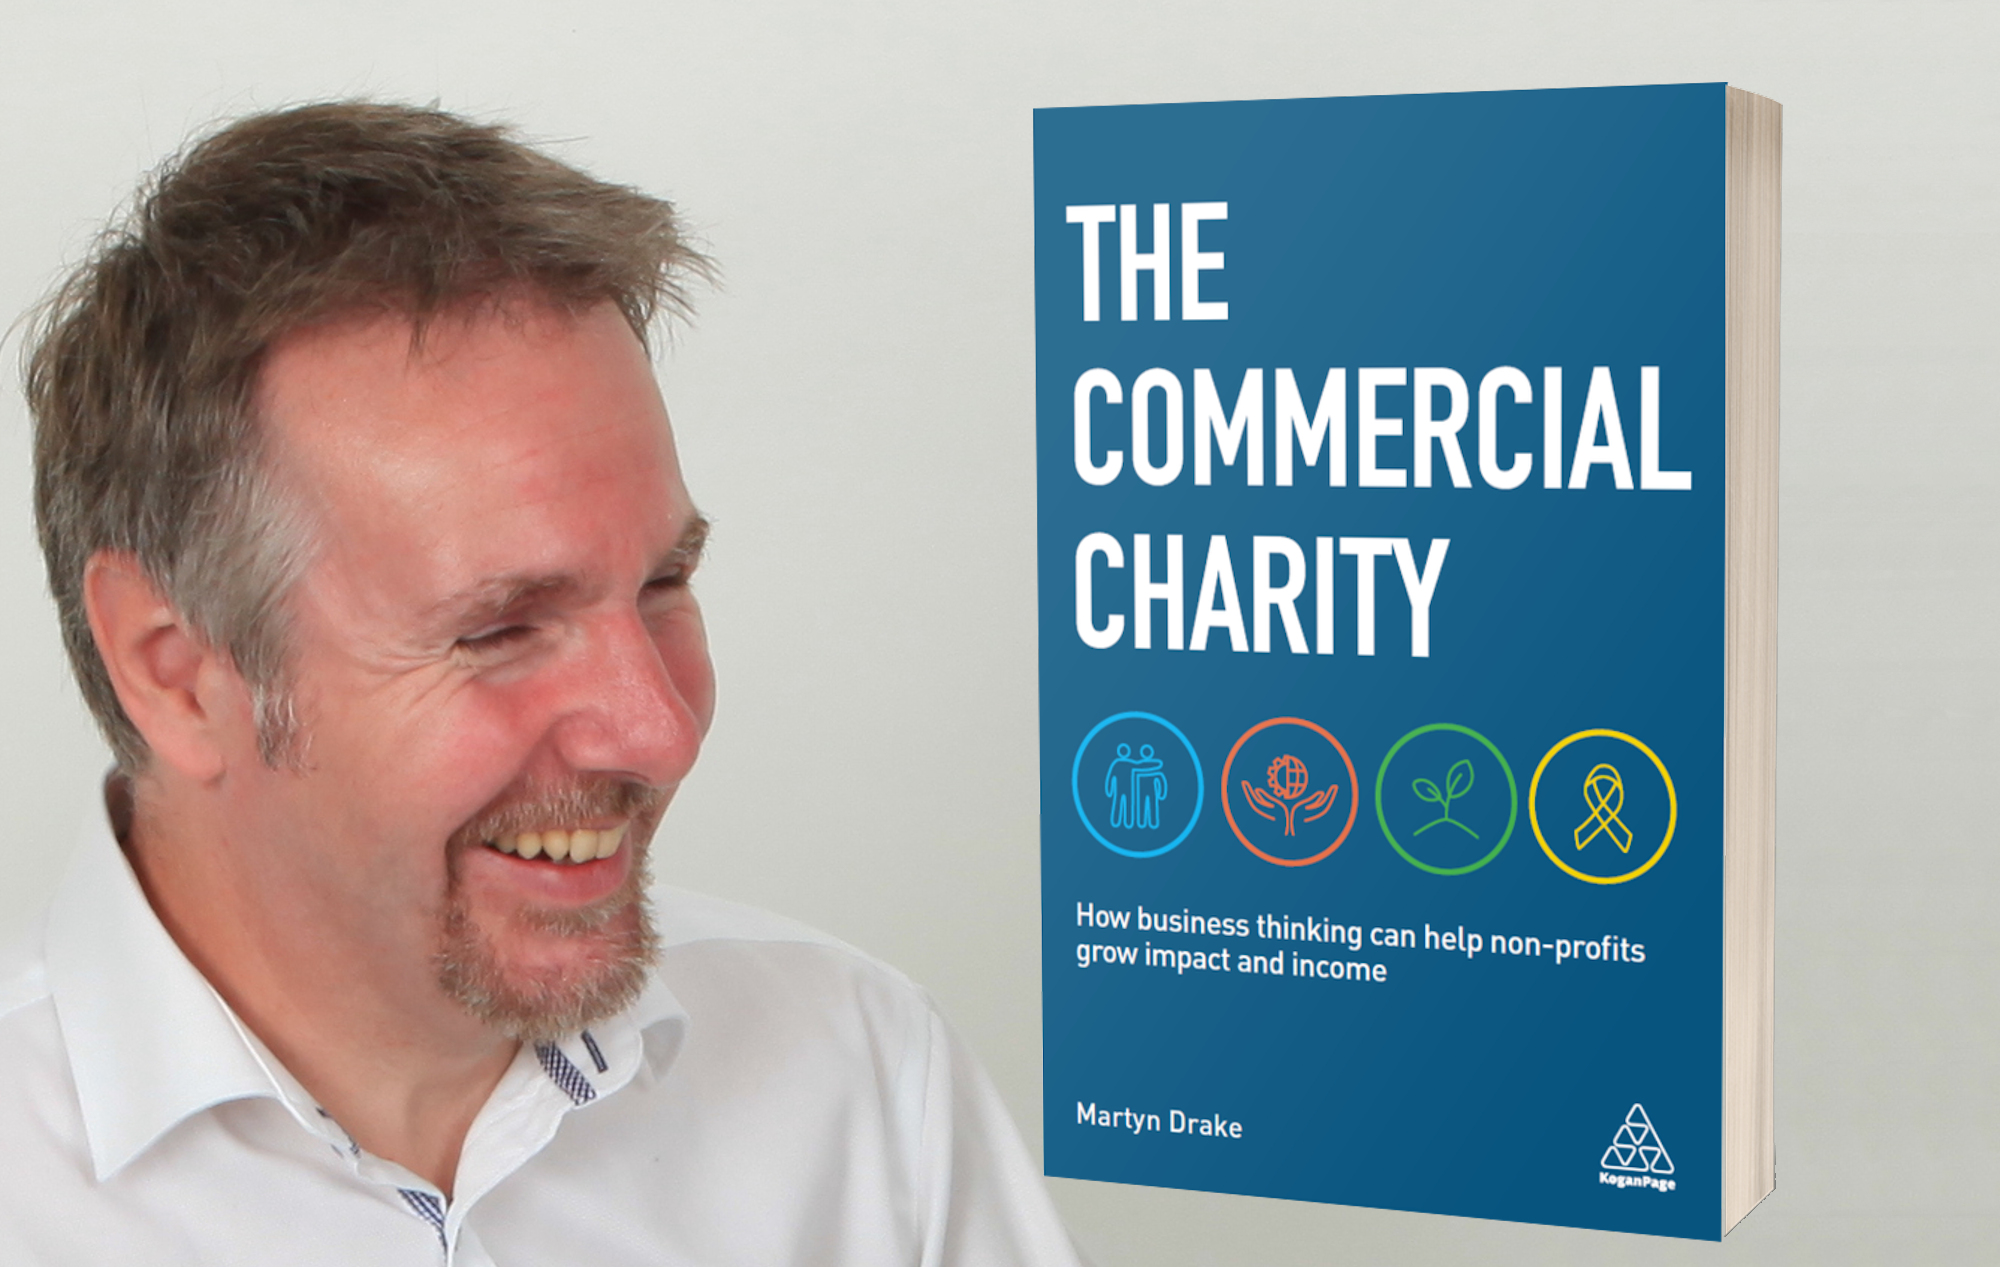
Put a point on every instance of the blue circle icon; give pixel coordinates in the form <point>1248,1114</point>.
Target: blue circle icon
<point>1137,784</point>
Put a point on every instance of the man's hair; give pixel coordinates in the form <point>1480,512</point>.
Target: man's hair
<point>142,365</point>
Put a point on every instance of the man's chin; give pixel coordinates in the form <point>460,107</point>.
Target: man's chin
<point>544,974</point>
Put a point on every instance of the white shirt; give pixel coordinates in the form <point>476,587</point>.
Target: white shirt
<point>775,1097</point>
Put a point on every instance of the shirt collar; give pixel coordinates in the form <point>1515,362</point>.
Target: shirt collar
<point>150,1044</point>
<point>149,1041</point>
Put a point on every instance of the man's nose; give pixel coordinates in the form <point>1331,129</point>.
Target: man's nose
<point>625,712</point>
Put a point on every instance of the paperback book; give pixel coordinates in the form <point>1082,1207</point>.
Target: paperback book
<point>1407,580</point>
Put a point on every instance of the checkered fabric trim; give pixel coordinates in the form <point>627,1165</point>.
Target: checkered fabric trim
<point>564,1074</point>
<point>427,1207</point>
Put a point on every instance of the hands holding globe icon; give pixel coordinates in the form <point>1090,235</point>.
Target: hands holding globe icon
<point>1285,784</point>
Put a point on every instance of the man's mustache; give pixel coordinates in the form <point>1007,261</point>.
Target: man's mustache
<point>546,806</point>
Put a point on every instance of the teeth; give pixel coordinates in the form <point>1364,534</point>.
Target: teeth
<point>576,846</point>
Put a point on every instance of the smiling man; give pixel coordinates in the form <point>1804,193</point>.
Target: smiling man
<point>373,558</point>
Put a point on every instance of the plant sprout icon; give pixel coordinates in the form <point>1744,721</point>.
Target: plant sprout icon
<point>1286,779</point>
<point>1457,782</point>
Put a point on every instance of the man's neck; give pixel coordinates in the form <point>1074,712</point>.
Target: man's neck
<point>399,1065</point>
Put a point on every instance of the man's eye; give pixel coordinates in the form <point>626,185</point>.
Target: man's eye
<point>495,639</point>
<point>676,579</point>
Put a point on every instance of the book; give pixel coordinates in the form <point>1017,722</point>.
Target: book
<point>1407,493</point>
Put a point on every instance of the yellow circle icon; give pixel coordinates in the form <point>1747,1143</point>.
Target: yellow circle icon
<point>1604,794</point>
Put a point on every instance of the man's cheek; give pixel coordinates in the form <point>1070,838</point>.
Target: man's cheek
<point>467,755</point>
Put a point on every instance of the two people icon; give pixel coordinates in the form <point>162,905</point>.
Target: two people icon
<point>1136,786</point>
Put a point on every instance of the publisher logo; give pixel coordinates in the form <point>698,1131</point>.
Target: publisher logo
<point>1288,791</point>
<point>1137,784</point>
<point>1637,1158</point>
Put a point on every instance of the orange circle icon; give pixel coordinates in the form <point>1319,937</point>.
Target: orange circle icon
<point>1284,794</point>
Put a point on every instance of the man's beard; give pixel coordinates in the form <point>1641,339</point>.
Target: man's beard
<point>616,933</point>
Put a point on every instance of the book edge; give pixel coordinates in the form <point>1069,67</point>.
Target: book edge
<point>1752,246</point>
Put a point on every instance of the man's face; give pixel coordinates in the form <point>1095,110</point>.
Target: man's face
<point>496,658</point>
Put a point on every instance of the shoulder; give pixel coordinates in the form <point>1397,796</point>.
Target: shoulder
<point>809,1059</point>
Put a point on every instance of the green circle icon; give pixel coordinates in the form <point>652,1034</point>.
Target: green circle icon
<point>1442,796</point>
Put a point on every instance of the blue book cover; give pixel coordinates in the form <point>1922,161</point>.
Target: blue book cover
<point>1380,450</point>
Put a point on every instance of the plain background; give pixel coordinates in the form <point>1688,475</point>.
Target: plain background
<point>855,413</point>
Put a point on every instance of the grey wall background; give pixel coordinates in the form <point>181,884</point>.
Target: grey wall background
<point>855,411</point>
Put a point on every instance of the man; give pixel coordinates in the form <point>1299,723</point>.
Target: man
<point>372,555</point>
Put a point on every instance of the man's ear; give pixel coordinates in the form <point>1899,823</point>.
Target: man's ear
<point>175,689</point>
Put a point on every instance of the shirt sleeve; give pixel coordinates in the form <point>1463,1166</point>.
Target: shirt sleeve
<point>985,1202</point>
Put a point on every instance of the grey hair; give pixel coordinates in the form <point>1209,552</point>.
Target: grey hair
<point>141,367</point>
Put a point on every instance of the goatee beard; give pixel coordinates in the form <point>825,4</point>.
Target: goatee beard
<point>613,941</point>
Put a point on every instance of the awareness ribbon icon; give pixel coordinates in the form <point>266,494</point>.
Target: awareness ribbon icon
<point>1604,792</point>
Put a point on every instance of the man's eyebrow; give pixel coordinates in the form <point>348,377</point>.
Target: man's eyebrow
<point>491,598</point>
<point>687,551</point>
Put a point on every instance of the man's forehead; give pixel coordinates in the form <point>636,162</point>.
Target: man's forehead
<point>385,356</point>
<point>531,386</point>
<point>511,443</point>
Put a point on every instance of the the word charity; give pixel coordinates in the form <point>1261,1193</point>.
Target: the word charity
<point>1165,426</point>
